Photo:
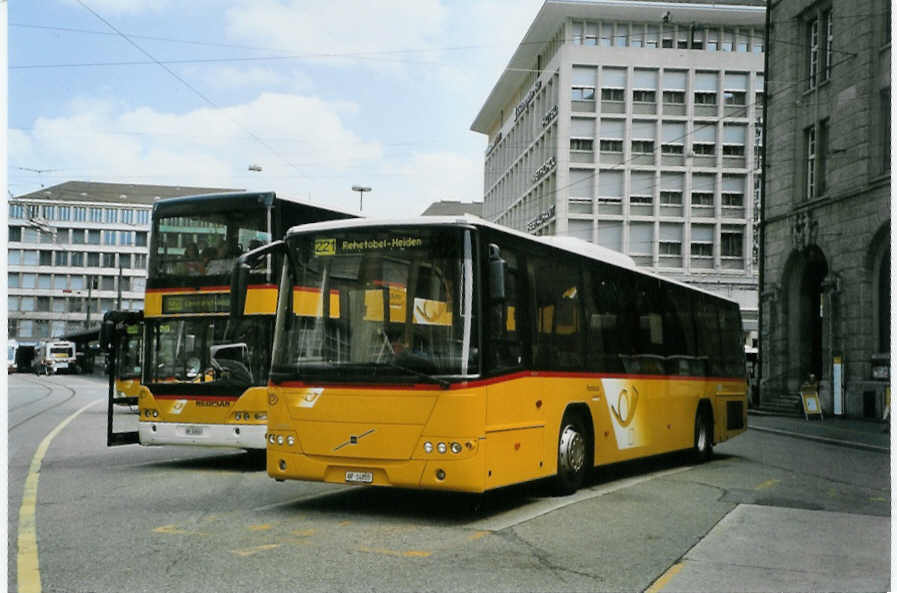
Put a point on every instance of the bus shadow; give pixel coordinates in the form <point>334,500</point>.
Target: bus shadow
<point>235,461</point>
<point>458,509</point>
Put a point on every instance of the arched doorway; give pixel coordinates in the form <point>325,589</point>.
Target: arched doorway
<point>805,316</point>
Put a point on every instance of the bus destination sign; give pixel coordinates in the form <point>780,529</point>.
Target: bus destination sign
<point>209,302</point>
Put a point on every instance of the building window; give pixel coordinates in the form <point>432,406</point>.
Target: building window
<point>671,149</point>
<point>93,237</point>
<point>61,258</point>
<point>143,217</point>
<point>108,260</point>
<point>810,162</point>
<point>697,38</point>
<point>46,258</point>
<point>12,280</point>
<point>670,198</point>
<point>827,49</point>
<point>25,328</point>
<point>60,282</point>
<point>704,149</point>
<point>16,211</point>
<point>705,98</point>
<point>821,157</point>
<point>64,213</point>
<point>733,150</point>
<point>15,234</point>
<point>93,260</point>
<point>127,216</point>
<point>612,94</point>
<point>30,235</point>
<point>125,238</point>
<point>140,238</point>
<point>670,248</point>
<point>701,198</point>
<point>732,242</point>
<point>48,212</point>
<point>734,97</point>
<point>109,237</point>
<point>812,51</point>
<point>30,257</point>
<point>77,259</point>
<point>78,236</point>
<point>124,260</point>
<point>80,213</point>
<point>96,214</point>
<point>701,249</point>
<point>674,97</point>
<point>140,261</point>
<point>110,215</point>
<point>582,93</point>
<point>642,146</point>
<point>640,96</point>
<point>581,144</point>
<point>14,257</point>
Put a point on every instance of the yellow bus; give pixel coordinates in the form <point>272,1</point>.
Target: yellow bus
<point>451,353</point>
<point>202,376</point>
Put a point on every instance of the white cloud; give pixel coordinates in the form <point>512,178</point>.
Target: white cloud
<point>306,148</point>
<point>340,27</point>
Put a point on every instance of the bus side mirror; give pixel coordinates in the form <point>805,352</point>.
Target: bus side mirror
<point>239,278</point>
<point>496,274</point>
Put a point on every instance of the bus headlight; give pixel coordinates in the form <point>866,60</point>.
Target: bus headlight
<point>291,440</point>
<point>428,447</point>
<point>456,448</point>
<point>441,447</point>
<point>280,439</point>
<point>271,439</point>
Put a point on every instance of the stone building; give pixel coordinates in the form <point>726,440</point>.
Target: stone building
<point>634,125</point>
<point>825,295</point>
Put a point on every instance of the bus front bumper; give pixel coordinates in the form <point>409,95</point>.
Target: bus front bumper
<point>460,475</point>
<point>250,436</point>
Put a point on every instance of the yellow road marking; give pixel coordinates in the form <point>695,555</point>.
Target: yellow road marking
<point>766,484</point>
<point>478,535</point>
<point>28,564</point>
<point>250,551</point>
<point>408,554</point>
<point>263,527</point>
<point>660,583</point>
<point>303,532</point>
<point>175,530</point>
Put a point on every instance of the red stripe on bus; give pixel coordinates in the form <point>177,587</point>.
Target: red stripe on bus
<point>501,379</point>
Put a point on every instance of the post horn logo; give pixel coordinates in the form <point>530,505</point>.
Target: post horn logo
<point>624,411</point>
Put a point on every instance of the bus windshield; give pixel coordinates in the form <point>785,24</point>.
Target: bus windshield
<point>129,353</point>
<point>204,350</point>
<point>399,306</point>
<point>204,245</point>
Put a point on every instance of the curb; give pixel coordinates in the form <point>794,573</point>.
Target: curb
<point>827,440</point>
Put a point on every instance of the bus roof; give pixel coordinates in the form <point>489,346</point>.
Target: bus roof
<point>570,244</point>
<point>229,200</point>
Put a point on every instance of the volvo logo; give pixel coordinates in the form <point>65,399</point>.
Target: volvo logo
<point>353,439</point>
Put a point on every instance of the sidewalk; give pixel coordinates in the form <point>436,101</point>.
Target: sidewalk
<point>846,432</point>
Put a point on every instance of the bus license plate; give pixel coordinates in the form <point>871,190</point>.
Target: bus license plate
<point>362,477</point>
<point>193,431</point>
<point>62,365</point>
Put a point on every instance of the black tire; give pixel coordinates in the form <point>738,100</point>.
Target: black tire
<point>703,447</point>
<point>573,454</point>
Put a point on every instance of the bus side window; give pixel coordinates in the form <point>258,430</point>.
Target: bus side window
<point>708,338</point>
<point>505,349</point>
<point>558,341</point>
<point>610,333</point>
<point>681,345</point>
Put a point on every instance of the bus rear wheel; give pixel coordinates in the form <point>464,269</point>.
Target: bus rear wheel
<point>703,449</point>
<point>572,455</point>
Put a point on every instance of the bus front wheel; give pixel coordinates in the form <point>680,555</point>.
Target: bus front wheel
<point>703,449</point>
<point>572,454</point>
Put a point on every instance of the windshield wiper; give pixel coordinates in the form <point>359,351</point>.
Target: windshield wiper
<point>444,383</point>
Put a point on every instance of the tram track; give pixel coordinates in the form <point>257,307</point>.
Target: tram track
<point>52,387</point>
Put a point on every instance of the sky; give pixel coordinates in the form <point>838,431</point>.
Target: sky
<point>321,95</point>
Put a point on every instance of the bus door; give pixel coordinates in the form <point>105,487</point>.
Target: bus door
<point>121,338</point>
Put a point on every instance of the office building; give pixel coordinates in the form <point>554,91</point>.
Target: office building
<point>635,125</point>
<point>77,250</point>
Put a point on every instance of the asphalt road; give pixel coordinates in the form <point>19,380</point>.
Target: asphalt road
<point>184,519</point>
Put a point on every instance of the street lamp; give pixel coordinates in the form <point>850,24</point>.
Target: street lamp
<point>360,189</point>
